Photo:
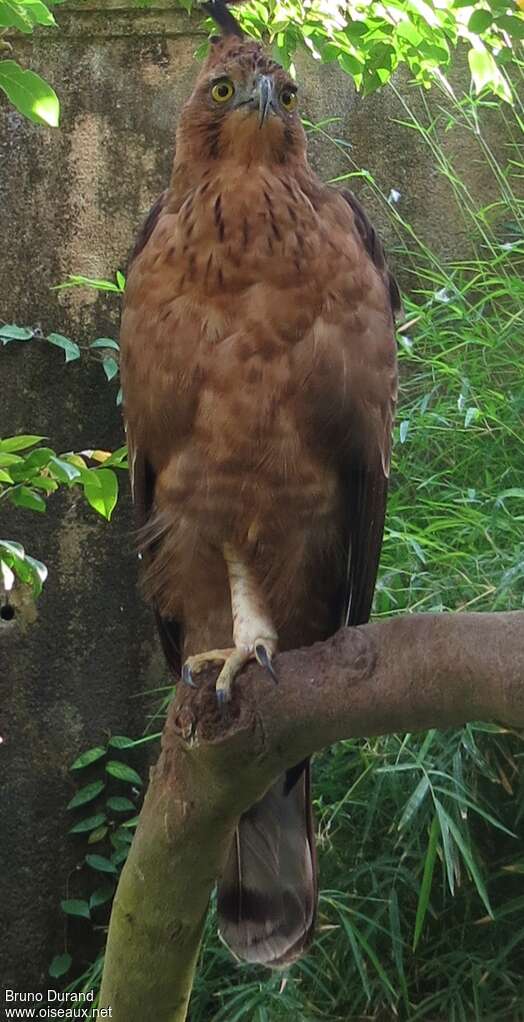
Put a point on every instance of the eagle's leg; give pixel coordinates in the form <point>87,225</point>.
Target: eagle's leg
<point>253,632</point>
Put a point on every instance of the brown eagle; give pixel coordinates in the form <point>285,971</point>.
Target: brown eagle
<point>259,376</point>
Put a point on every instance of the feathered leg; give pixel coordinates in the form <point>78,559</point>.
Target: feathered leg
<point>253,633</point>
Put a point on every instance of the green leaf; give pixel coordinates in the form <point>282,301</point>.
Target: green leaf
<point>201,51</point>
<point>100,863</point>
<point>88,757</point>
<point>123,772</point>
<point>19,443</point>
<point>13,15</point>
<point>512,24</point>
<point>39,13</point>
<point>16,549</point>
<point>101,491</point>
<point>35,460</point>
<point>366,946</point>
<point>44,483</point>
<point>121,742</point>
<point>22,496</point>
<point>5,477</point>
<point>124,837</point>
<point>38,573</point>
<point>71,349</point>
<point>10,459</point>
<point>97,835</point>
<point>483,68</point>
<point>425,887</point>
<point>357,956</point>
<point>355,30</point>
<point>77,462</point>
<point>86,794</point>
<point>75,907</point>
<point>414,802</point>
<point>397,942</point>
<point>480,20</point>
<point>448,847</point>
<point>515,491</point>
<point>60,965</point>
<point>25,14</point>
<point>467,855</point>
<point>121,280</point>
<point>90,823</point>
<point>15,333</point>
<point>118,458</point>
<point>29,93</point>
<point>407,30</point>
<point>120,856</point>
<point>102,895</point>
<point>120,839</point>
<point>350,64</point>
<point>63,470</point>
<point>105,342</point>
<point>120,805</point>
<point>110,367</point>
<point>131,823</point>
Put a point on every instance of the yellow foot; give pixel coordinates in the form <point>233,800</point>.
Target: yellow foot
<point>233,659</point>
<point>195,664</point>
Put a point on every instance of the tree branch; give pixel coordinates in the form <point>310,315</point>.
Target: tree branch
<point>405,674</point>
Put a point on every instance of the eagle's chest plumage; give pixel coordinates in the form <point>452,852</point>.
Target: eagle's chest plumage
<point>242,278</point>
<point>243,281</point>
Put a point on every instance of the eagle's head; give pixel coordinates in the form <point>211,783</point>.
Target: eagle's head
<point>244,105</point>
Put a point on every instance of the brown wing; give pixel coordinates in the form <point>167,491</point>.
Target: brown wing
<point>367,470</point>
<point>142,472</point>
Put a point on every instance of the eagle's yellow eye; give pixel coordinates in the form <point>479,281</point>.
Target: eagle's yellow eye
<point>222,91</point>
<point>288,98</point>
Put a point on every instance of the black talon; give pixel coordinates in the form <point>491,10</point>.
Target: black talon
<point>264,659</point>
<point>187,676</point>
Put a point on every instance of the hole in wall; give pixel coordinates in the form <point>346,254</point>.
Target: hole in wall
<point>7,612</point>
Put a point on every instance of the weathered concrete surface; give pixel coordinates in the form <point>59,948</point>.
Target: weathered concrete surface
<point>70,201</point>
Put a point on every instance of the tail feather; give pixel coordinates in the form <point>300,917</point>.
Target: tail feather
<point>268,893</point>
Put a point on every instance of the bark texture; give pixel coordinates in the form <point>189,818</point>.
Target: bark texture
<point>406,674</point>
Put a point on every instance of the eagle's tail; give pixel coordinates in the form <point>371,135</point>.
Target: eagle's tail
<point>267,896</point>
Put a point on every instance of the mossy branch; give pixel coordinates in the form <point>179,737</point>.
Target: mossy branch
<point>406,674</point>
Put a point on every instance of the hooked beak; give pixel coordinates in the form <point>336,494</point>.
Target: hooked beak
<point>265,92</point>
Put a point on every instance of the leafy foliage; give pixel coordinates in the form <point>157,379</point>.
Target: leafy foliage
<point>96,283</point>
<point>15,561</point>
<point>105,816</point>
<point>28,477</point>
<point>30,93</point>
<point>104,350</point>
<point>26,90</point>
<point>369,41</point>
<point>31,472</point>
<point>26,480</point>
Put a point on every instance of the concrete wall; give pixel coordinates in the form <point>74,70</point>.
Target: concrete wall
<point>70,201</point>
